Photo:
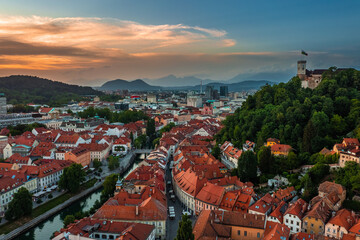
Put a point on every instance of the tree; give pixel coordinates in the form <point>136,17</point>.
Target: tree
<point>140,142</point>
<point>167,128</point>
<point>97,164</point>
<point>216,151</point>
<point>109,185</point>
<point>292,161</point>
<point>349,177</point>
<point>155,142</point>
<point>247,166</point>
<point>184,231</point>
<point>131,137</point>
<point>72,177</point>
<point>20,205</point>
<point>338,125</point>
<point>113,163</point>
<point>265,159</point>
<point>309,132</point>
<point>68,219</point>
<point>150,129</point>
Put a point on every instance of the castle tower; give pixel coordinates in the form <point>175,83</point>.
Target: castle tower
<point>301,69</point>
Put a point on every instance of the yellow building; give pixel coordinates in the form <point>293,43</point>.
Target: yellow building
<point>271,141</point>
<point>315,220</point>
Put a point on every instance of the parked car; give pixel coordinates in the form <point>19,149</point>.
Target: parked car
<point>172,197</point>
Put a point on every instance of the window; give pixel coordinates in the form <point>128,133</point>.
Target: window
<point>245,233</point>
<point>239,232</point>
<point>258,235</point>
<point>297,230</point>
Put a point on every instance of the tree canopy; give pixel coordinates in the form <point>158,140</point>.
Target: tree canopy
<point>113,162</point>
<point>123,117</point>
<point>72,177</point>
<point>184,231</point>
<point>20,205</point>
<point>247,166</point>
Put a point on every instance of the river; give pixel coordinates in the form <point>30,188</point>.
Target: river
<point>44,230</point>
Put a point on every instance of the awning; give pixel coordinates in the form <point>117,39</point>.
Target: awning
<point>38,194</point>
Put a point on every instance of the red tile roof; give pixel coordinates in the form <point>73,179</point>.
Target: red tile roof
<point>283,148</point>
<point>264,204</point>
<point>211,194</point>
<point>126,230</point>
<point>298,208</point>
<point>149,210</point>
<point>328,187</point>
<point>276,231</point>
<point>343,218</point>
<point>279,211</point>
<point>355,228</point>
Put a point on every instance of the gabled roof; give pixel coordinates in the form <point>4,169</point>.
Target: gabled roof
<point>264,204</point>
<point>211,194</point>
<point>17,158</point>
<point>150,209</point>
<point>126,230</point>
<point>68,139</point>
<point>343,218</point>
<point>328,187</point>
<point>216,224</point>
<point>297,209</point>
<point>276,231</point>
<point>278,213</point>
<point>281,148</point>
<point>320,211</point>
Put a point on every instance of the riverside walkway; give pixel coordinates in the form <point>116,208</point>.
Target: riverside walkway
<point>125,164</point>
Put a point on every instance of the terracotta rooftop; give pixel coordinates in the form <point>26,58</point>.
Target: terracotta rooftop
<point>86,226</point>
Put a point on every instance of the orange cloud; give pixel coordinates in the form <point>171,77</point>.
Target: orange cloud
<point>95,49</point>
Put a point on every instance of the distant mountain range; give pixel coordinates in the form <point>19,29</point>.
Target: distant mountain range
<point>140,85</point>
<point>173,81</point>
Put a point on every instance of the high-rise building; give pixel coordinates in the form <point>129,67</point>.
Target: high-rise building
<point>224,91</point>
<point>209,92</point>
<point>3,109</point>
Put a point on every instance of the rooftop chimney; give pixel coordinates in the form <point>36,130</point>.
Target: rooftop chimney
<point>137,210</point>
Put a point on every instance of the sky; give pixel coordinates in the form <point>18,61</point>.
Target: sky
<point>88,42</point>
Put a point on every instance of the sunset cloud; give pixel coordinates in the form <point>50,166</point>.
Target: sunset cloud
<point>90,51</point>
<point>43,43</point>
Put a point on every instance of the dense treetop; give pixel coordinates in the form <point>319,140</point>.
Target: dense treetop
<point>123,116</point>
<point>306,119</point>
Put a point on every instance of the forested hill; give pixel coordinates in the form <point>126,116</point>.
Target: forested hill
<point>306,119</point>
<point>26,89</point>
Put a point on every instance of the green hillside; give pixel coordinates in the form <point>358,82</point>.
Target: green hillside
<point>29,89</point>
<point>306,119</point>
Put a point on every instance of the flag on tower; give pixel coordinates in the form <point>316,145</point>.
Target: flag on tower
<point>304,53</point>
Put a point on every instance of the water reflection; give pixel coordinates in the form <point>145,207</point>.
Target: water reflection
<point>45,229</point>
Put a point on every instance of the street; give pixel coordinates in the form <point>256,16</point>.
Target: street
<point>173,224</point>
